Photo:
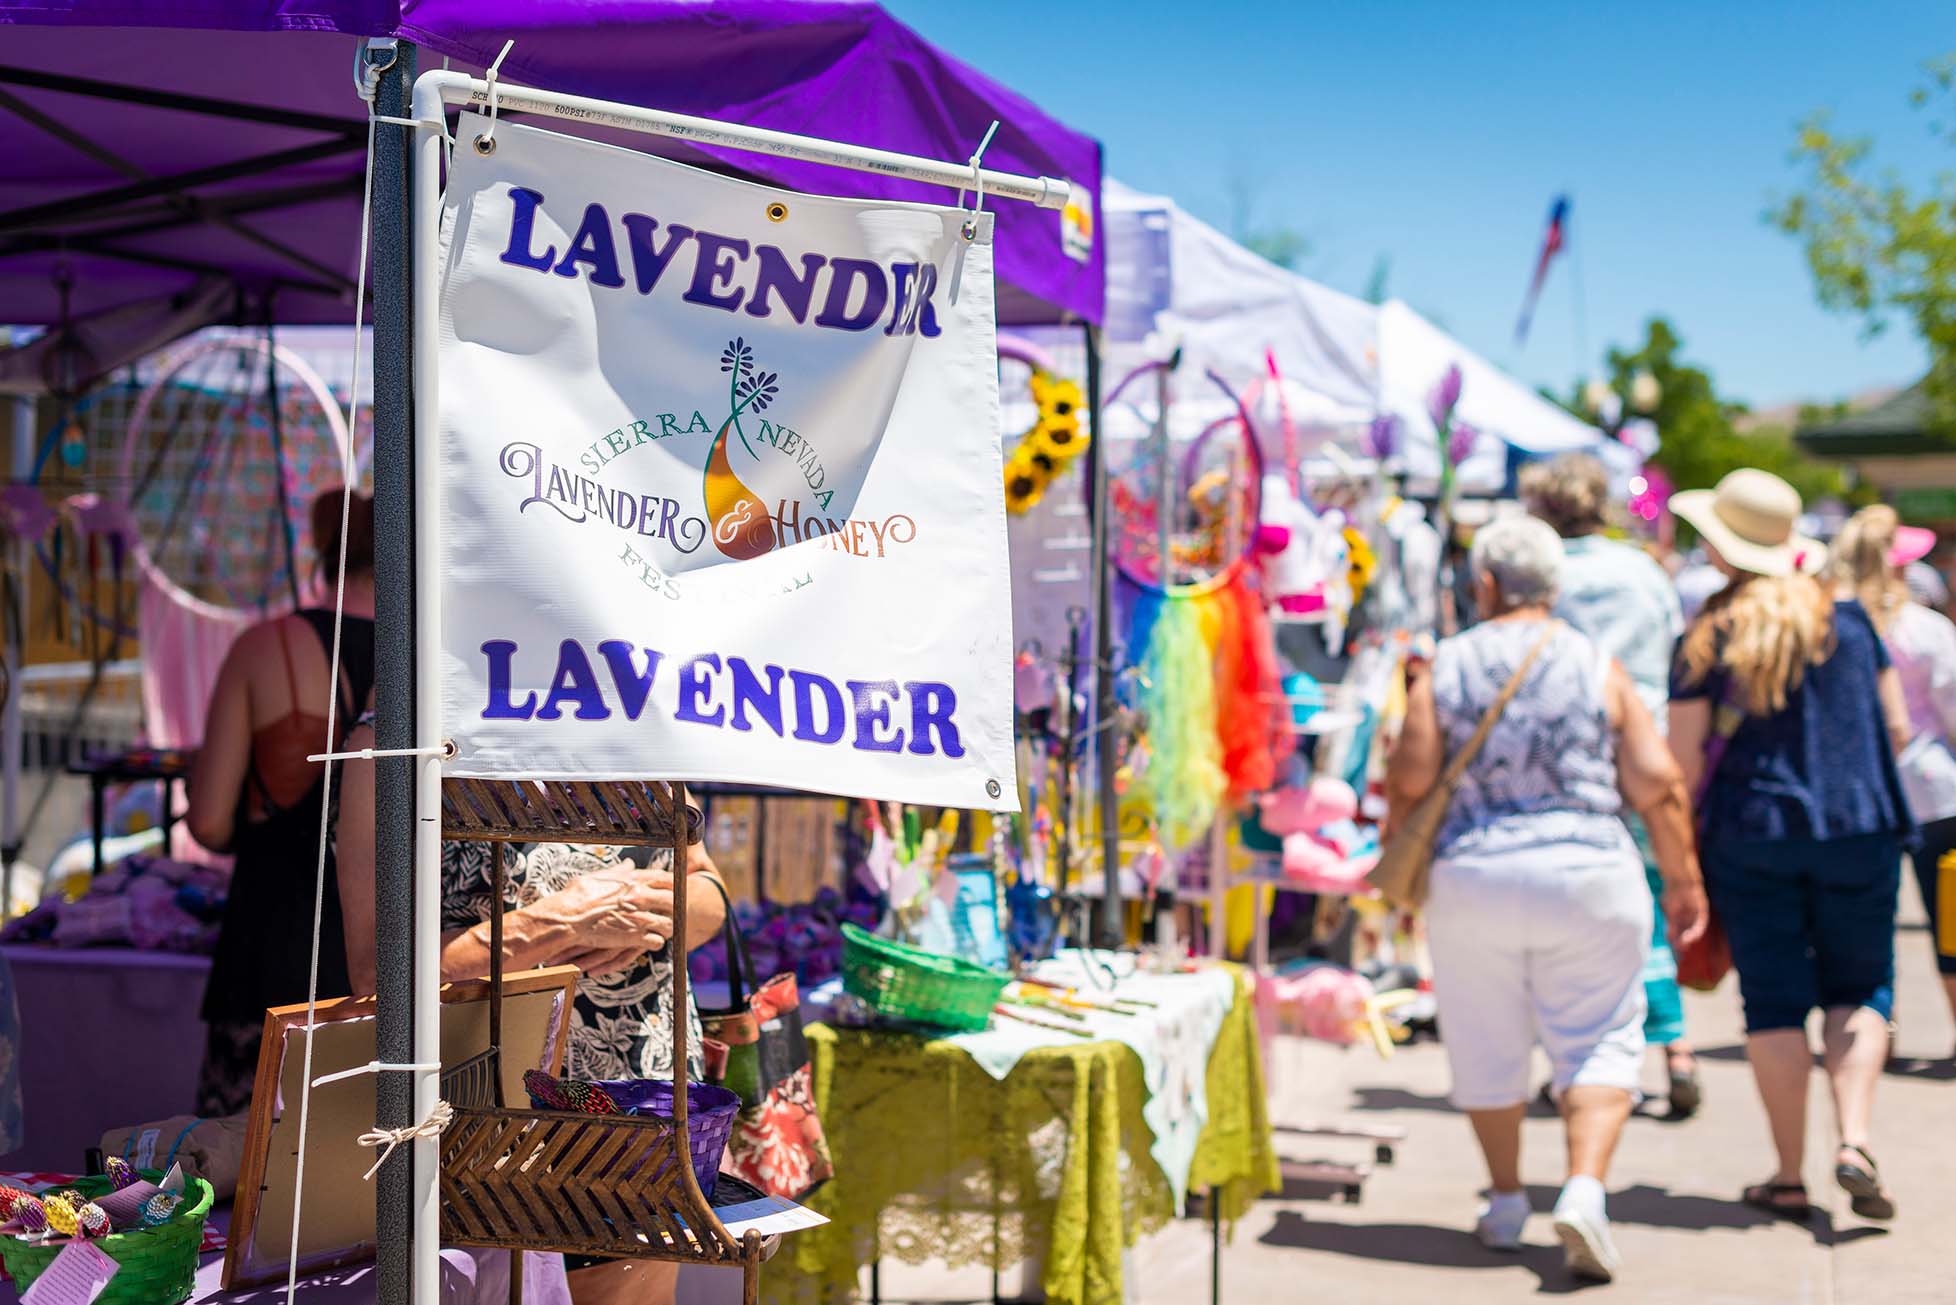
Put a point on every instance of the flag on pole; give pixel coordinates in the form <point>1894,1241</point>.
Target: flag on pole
<point>1552,241</point>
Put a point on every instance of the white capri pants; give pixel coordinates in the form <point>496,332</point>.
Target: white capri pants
<point>1542,946</point>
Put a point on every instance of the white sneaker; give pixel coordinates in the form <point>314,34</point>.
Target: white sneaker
<point>1586,1245</point>
<point>1500,1221</point>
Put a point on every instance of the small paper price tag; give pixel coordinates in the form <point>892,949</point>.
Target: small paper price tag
<point>76,1277</point>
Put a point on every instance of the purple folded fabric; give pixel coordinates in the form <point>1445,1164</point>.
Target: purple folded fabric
<point>125,1208</point>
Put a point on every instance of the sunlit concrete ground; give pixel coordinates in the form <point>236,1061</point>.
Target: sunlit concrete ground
<point>1684,1236</point>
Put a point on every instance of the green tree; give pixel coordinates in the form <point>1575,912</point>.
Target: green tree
<point>1878,247</point>
<point>1699,439</point>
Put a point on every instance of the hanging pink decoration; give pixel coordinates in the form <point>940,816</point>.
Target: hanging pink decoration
<point>1650,490</point>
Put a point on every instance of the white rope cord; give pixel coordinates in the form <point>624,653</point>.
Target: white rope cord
<point>368,83</point>
<point>389,1138</point>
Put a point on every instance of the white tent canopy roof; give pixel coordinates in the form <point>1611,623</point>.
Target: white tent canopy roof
<point>1173,280</point>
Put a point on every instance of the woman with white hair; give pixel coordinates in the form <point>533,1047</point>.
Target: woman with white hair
<point>1539,917</point>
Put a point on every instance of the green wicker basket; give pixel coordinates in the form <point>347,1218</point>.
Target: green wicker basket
<point>909,983</point>
<point>159,1265</point>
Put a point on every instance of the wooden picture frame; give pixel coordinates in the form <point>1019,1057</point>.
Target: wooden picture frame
<point>338,1214</point>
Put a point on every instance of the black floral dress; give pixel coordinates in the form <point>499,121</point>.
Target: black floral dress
<point>618,1027</point>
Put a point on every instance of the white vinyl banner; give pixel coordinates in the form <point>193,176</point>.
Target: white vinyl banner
<point>721,487</point>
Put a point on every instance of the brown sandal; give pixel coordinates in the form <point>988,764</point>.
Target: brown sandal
<point>1768,1197</point>
<point>1862,1183</point>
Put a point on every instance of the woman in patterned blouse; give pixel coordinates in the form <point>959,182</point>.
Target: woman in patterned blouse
<point>564,904</point>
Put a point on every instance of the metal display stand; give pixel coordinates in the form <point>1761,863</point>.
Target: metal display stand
<point>563,1181</point>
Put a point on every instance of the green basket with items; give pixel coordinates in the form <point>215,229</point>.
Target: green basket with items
<point>907,983</point>
<point>155,1238</point>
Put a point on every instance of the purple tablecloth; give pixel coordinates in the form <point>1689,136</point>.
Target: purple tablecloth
<point>109,1037</point>
<point>468,1277</point>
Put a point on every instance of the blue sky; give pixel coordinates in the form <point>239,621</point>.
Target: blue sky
<point>1437,134</point>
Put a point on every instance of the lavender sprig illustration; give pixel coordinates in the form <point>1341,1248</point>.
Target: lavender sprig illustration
<point>747,386</point>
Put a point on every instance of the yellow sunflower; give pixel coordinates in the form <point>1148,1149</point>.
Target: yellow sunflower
<point>1361,562</point>
<point>1025,484</point>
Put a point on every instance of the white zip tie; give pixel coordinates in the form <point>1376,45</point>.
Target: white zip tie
<point>375,1067</point>
<point>977,183</point>
<point>486,142</point>
<point>445,750</point>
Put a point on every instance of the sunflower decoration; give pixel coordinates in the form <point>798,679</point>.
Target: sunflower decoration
<point>1054,441</point>
<point>1361,562</point>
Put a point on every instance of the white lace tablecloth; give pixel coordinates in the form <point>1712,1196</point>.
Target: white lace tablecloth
<point>1173,1039</point>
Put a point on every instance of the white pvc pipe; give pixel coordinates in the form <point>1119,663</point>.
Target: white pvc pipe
<point>460,88</point>
<point>426,212</point>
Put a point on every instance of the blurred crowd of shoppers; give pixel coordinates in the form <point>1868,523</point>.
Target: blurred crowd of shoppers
<point>1734,760</point>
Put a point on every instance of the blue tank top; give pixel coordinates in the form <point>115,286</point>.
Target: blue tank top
<point>1547,774</point>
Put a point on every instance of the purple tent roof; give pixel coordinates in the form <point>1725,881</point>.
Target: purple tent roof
<point>286,231</point>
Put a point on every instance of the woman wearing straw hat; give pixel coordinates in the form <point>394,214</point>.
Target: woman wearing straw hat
<point>1868,561</point>
<point>1786,717</point>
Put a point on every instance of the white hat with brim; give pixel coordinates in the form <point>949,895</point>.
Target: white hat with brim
<point>1749,519</point>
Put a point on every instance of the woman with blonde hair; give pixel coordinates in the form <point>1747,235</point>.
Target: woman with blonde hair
<point>1786,717</point>
<point>1869,561</point>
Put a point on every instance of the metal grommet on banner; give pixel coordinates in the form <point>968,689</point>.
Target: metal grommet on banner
<point>485,144</point>
<point>777,212</point>
<point>993,788</point>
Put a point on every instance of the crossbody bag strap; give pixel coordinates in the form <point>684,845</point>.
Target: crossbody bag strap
<point>1457,767</point>
<point>739,984</point>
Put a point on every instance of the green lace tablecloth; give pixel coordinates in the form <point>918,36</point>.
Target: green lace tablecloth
<point>935,1159</point>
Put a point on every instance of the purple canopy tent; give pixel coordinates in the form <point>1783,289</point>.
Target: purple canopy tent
<point>156,151</point>
<point>158,154</point>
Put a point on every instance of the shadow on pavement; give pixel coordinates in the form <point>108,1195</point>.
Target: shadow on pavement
<point>1654,1207</point>
<point>1922,1068</point>
<point>1423,1244</point>
<point>1392,1098</point>
<point>1927,1069</point>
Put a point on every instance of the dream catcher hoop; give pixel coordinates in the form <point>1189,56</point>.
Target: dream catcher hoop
<point>1202,670</point>
<point>222,456</point>
<point>1222,496</point>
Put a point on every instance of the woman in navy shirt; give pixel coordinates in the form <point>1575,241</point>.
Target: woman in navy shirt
<point>1786,718</point>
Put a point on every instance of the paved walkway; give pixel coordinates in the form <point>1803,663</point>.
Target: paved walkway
<point>1683,1235</point>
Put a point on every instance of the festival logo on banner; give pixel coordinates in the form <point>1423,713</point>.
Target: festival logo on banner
<point>721,482</point>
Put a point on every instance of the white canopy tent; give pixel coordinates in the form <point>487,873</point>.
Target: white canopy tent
<point>1173,280</point>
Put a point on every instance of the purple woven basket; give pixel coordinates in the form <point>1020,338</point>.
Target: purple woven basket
<point>710,1112</point>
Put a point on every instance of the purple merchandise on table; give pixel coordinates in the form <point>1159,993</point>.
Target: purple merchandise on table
<point>109,1037</point>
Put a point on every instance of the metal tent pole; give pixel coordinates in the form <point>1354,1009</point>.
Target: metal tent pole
<point>12,739</point>
<point>394,660</point>
<point>1106,746</point>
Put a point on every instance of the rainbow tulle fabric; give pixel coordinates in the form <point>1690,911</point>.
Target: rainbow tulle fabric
<point>1213,697</point>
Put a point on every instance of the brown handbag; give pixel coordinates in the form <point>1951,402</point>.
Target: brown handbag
<point>1405,867</point>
